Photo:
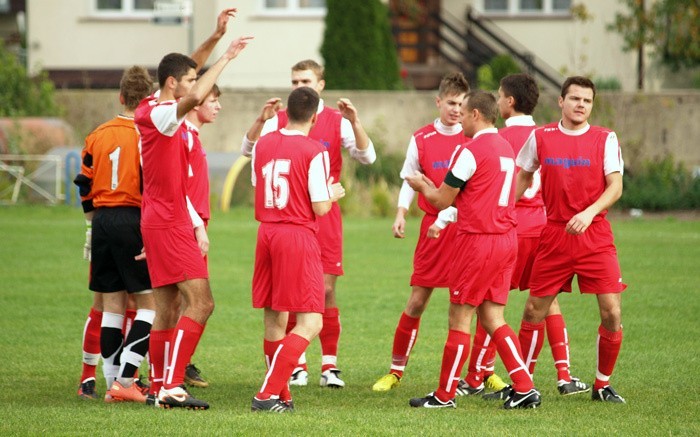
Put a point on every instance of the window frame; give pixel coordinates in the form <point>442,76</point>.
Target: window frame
<point>292,9</point>
<point>514,10</point>
<point>127,11</point>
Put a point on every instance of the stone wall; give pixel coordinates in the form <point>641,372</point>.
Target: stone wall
<point>648,125</point>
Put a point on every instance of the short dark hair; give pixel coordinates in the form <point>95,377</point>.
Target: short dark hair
<point>581,81</point>
<point>175,65</point>
<point>302,104</point>
<point>523,88</point>
<point>310,64</point>
<point>453,84</point>
<point>215,90</point>
<point>485,103</point>
<point>135,85</point>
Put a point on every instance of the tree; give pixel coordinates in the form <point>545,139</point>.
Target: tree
<point>21,95</point>
<point>358,48</point>
<point>672,27</point>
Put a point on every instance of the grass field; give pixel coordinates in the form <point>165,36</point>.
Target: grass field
<point>44,301</point>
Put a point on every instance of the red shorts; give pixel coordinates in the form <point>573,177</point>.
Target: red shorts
<point>527,248</point>
<point>433,256</point>
<point>482,268</point>
<point>330,239</point>
<point>288,275</point>
<point>172,255</point>
<point>591,256</point>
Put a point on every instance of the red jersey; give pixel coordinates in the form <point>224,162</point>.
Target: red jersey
<point>529,210</point>
<point>198,173</point>
<point>434,153</point>
<point>327,132</point>
<point>484,170</point>
<point>110,166</point>
<point>572,169</point>
<point>164,161</point>
<point>290,172</point>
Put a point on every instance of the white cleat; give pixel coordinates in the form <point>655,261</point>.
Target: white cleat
<point>330,378</point>
<point>299,378</point>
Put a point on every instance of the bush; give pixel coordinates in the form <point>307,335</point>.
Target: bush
<point>358,48</point>
<point>660,185</point>
<point>489,75</point>
<point>20,95</point>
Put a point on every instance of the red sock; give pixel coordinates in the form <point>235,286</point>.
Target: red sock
<point>291,323</point>
<point>281,366</point>
<point>159,353</point>
<point>405,338</point>
<point>477,357</point>
<point>453,358</point>
<point>509,350</point>
<point>531,338</point>
<point>270,348</point>
<point>184,341</point>
<point>329,337</point>
<point>129,316</point>
<point>559,343</point>
<point>91,344</point>
<point>609,344</point>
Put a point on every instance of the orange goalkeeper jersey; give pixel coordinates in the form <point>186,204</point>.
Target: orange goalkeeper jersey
<point>111,166</point>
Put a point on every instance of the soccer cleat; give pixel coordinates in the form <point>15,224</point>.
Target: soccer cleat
<point>386,382</point>
<point>430,401</point>
<point>607,394</point>
<point>151,399</point>
<point>272,405</point>
<point>142,386</point>
<point>531,399</point>
<point>194,378</point>
<point>300,378</point>
<point>494,382</point>
<point>573,387</point>
<point>178,397</point>
<point>464,389</point>
<point>330,378</point>
<point>87,389</point>
<point>119,393</point>
<point>500,395</point>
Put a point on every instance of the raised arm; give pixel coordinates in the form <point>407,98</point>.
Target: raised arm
<point>202,53</point>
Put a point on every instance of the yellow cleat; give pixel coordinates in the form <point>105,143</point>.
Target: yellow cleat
<point>386,382</point>
<point>494,382</point>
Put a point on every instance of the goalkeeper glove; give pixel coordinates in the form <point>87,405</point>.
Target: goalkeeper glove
<point>87,248</point>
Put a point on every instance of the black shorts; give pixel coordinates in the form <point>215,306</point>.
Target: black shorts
<point>116,240</point>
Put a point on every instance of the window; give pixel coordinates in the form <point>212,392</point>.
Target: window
<point>293,7</point>
<point>120,8</point>
<point>525,7</point>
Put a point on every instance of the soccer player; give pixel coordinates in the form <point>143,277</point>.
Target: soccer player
<point>198,182</point>
<point>429,151</point>
<point>335,129</point>
<point>109,183</point>
<point>581,174</point>
<point>174,251</point>
<point>480,183</point>
<point>517,98</point>
<point>290,174</point>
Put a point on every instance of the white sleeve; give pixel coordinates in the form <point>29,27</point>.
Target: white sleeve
<point>612,162</point>
<point>411,164</point>
<point>164,118</point>
<point>347,139</point>
<point>196,219</point>
<point>252,170</point>
<point>446,216</point>
<point>406,195</point>
<point>247,145</point>
<point>527,157</point>
<point>318,178</point>
<point>465,166</point>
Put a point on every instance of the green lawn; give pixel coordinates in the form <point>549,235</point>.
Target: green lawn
<point>44,301</point>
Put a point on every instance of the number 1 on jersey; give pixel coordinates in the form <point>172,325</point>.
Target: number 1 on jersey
<point>114,158</point>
